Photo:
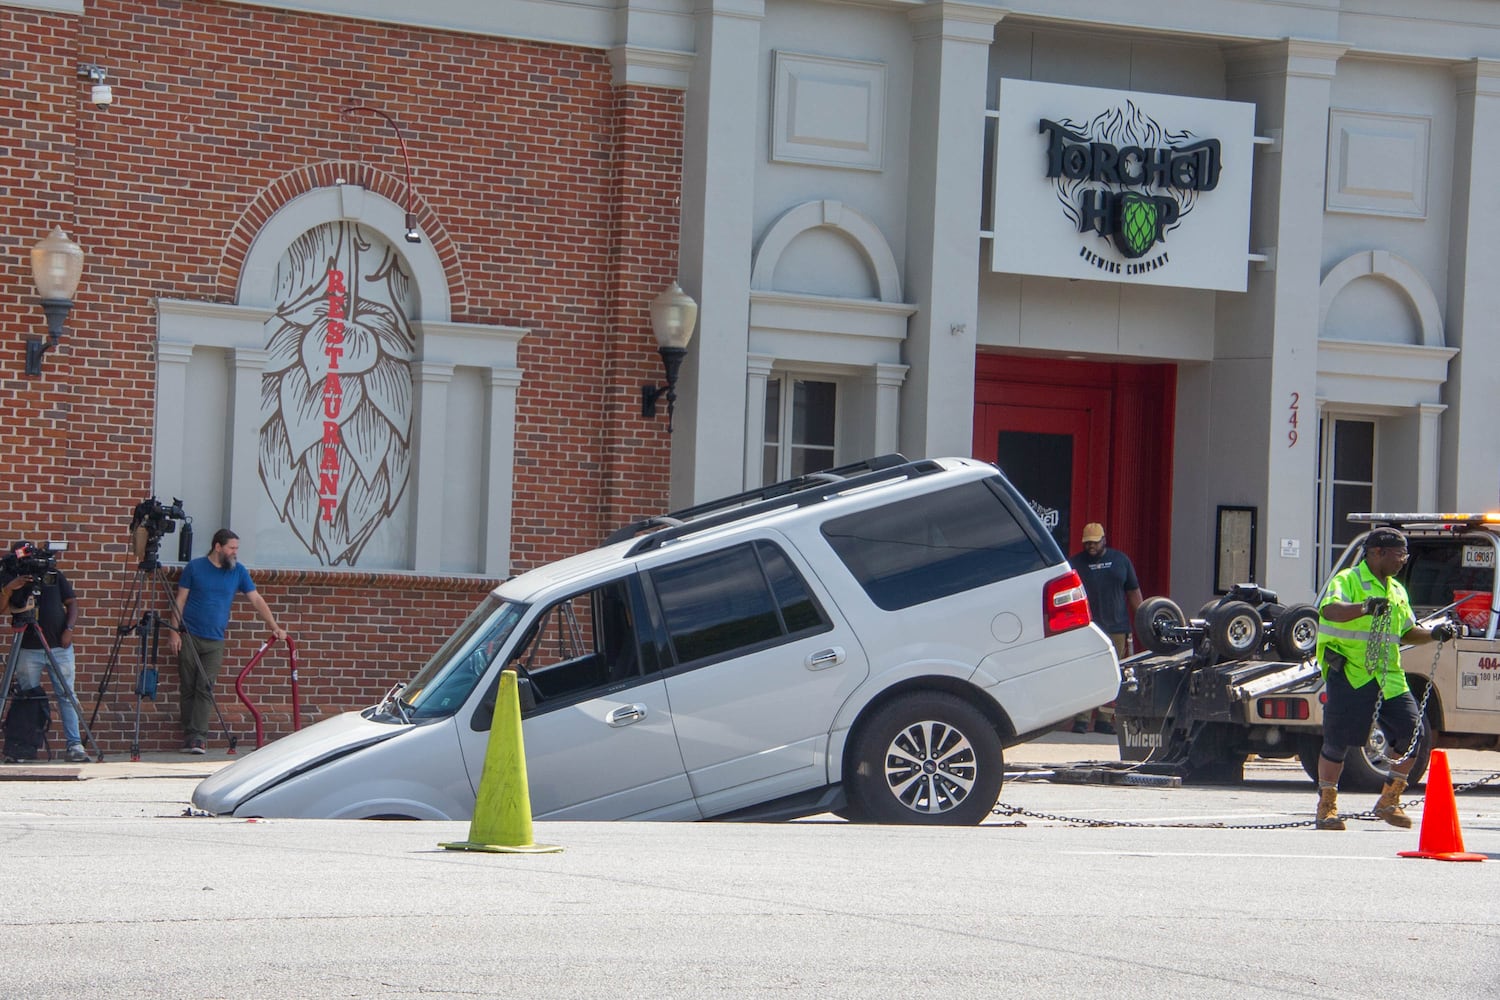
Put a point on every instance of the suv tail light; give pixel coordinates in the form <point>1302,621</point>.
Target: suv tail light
<point>1065,606</point>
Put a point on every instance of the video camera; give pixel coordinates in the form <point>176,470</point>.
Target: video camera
<point>39,562</point>
<point>156,517</point>
<point>152,519</point>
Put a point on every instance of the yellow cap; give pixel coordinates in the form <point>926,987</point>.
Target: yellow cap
<point>1093,532</point>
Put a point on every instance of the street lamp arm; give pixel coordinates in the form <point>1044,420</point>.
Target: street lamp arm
<point>412,235</point>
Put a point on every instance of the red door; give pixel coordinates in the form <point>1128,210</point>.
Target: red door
<point>1085,441</point>
<point>1048,442</point>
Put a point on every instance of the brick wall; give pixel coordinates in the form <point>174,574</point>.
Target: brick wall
<point>550,195</point>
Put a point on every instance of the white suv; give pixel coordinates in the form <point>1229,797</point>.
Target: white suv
<point>865,640</point>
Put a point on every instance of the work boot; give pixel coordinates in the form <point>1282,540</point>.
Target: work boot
<point>1328,807</point>
<point>1388,807</point>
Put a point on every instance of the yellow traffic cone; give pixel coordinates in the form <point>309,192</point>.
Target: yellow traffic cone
<point>502,810</point>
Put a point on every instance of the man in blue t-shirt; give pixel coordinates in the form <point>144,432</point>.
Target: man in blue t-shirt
<point>1114,595</point>
<point>205,593</point>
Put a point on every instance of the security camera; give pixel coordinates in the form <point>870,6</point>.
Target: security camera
<point>101,95</point>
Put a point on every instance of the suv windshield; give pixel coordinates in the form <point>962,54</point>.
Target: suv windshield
<point>444,684</point>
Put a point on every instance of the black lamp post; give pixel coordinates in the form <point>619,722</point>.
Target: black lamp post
<point>673,315</point>
<point>56,266</point>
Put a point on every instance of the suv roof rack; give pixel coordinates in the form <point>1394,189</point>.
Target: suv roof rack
<point>803,491</point>
<point>1470,520</point>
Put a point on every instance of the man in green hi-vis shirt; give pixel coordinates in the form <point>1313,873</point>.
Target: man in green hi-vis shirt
<point>1365,602</point>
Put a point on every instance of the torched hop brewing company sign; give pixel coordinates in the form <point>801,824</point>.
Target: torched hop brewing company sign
<point>1122,186</point>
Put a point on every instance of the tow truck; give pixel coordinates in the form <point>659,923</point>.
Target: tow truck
<point>1212,690</point>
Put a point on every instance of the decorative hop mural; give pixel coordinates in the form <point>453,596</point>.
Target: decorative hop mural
<point>336,396</point>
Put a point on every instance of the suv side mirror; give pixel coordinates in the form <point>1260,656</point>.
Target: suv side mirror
<point>525,695</point>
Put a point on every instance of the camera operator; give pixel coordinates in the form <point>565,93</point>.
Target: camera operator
<point>205,593</point>
<point>56,613</point>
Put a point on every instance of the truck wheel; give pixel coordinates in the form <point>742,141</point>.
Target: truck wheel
<point>1365,767</point>
<point>927,758</point>
<point>1235,630</point>
<point>1295,632</point>
<point>1153,616</point>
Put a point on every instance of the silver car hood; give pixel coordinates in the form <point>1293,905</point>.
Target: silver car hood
<point>226,790</point>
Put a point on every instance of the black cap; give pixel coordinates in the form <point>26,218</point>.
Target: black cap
<point>1385,538</point>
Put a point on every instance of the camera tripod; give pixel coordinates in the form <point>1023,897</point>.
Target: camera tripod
<point>23,622</point>
<point>148,625</point>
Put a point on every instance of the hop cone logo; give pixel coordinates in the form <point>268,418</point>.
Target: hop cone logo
<point>1139,229</point>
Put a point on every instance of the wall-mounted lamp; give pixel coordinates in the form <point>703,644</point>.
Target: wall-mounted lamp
<point>673,315</point>
<point>56,266</point>
<point>100,94</point>
<point>413,234</point>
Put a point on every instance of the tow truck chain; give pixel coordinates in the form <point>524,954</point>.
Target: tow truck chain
<point>1378,652</point>
<point>1004,809</point>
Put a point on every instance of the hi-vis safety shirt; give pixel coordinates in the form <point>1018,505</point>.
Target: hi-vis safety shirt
<point>1351,638</point>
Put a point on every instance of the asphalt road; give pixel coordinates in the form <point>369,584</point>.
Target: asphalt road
<point>110,891</point>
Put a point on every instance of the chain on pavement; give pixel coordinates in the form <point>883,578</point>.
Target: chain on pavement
<point>1004,809</point>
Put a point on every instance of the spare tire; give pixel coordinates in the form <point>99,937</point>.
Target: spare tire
<point>1236,631</point>
<point>1295,632</point>
<point>1153,617</point>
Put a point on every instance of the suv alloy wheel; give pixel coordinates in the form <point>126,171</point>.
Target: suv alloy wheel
<point>926,758</point>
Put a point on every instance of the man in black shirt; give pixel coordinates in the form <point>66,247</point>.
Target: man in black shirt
<point>1114,594</point>
<point>56,613</point>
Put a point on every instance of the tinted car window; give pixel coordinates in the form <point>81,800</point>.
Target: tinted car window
<point>725,602</point>
<point>918,550</point>
<point>799,611</point>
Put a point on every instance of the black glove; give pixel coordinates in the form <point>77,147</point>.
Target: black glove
<point>1377,606</point>
<point>1444,631</point>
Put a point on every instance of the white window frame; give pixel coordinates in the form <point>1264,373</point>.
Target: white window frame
<point>787,382</point>
<point>1323,546</point>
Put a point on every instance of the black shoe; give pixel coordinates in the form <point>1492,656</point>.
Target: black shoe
<point>1080,727</point>
<point>1107,728</point>
<point>196,747</point>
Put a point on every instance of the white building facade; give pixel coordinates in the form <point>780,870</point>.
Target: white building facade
<point>883,264</point>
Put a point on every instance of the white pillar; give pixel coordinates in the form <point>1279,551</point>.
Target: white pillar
<point>1266,347</point>
<point>1429,453</point>
<point>429,442</point>
<point>499,471</point>
<point>886,380</point>
<point>757,373</point>
<point>726,95</point>
<point>950,80</point>
<point>1473,297</point>
<point>242,486</point>
<point>172,359</point>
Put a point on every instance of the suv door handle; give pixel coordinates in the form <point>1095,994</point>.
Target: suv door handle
<point>625,715</point>
<point>825,658</point>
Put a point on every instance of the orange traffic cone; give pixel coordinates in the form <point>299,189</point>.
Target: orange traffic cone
<point>502,810</point>
<point>1441,839</point>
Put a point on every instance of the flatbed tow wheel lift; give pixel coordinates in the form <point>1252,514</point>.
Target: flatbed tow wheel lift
<point>1181,705</point>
